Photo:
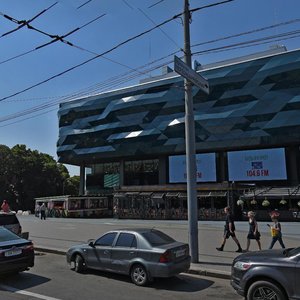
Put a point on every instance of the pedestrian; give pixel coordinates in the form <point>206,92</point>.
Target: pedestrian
<point>276,231</point>
<point>5,206</point>
<point>253,233</point>
<point>229,230</point>
<point>37,210</point>
<point>43,211</point>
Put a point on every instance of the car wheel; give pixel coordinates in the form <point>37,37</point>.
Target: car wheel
<point>79,264</point>
<point>139,275</point>
<point>265,290</point>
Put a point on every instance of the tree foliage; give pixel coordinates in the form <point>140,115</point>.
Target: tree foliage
<point>26,174</point>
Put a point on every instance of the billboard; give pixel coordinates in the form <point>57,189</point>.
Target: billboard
<point>206,168</point>
<point>254,165</point>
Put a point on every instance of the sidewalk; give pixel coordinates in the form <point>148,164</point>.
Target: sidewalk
<point>57,235</point>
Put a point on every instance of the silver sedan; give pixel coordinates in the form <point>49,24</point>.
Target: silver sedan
<point>143,254</point>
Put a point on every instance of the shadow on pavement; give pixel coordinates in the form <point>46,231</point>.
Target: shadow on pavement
<point>179,283</point>
<point>23,281</point>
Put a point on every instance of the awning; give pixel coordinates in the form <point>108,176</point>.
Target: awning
<point>218,194</point>
<point>203,195</point>
<point>131,194</point>
<point>182,195</point>
<point>274,192</point>
<point>146,194</point>
<point>158,195</point>
<point>172,194</point>
<point>119,195</point>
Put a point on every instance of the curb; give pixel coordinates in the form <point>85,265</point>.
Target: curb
<point>210,273</point>
<point>193,270</point>
<point>52,251</point>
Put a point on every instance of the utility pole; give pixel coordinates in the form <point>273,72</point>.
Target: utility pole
<point>191,168</point>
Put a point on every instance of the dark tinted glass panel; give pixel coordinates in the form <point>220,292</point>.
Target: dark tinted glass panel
<point>6,235</point>
<point>106,240</point>
<point>243,96</point>
<point>126,240</point>
<point>8,220</point>
<point>157,238</point>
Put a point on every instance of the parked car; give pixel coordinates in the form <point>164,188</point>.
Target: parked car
<point>16,253</point>
<point>10,221</point>
<point>268,274</point>
<point>141,253</point>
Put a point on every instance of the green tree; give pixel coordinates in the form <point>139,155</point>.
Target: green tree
<point>27,174</point>
<point>72,185</point>
<point>7,188</point>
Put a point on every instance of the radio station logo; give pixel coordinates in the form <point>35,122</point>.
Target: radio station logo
<point>257,169</point>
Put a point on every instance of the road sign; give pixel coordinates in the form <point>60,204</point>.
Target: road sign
<point>184,70</point>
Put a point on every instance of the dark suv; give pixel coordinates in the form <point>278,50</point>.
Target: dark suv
<point>267,274</point>
<point>11,222</point>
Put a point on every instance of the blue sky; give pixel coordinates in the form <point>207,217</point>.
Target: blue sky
<point>37,126</point>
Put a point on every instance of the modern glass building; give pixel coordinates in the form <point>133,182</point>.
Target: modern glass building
<point>247,133</point>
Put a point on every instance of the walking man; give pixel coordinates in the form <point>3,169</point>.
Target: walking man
<point>229,230</point>
<point>43,211</point>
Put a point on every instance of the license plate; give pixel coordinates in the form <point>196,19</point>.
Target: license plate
<point>12,252</point>
<point>179,253</point>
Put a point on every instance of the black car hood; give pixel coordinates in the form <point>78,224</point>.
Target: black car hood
<point>262,255</point>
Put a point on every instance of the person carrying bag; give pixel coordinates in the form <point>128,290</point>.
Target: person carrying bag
<point>276,232</point>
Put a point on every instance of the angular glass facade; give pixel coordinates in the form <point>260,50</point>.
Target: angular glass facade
<point>252,104</point>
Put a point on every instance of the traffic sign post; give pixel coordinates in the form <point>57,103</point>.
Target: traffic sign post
<point>190,77</point>
<point>188,73</point>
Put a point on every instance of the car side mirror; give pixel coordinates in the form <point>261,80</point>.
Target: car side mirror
<point>91,244</point>
<point>25,235</point>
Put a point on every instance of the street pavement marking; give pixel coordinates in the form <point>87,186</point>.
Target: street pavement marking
<point>22,292</point>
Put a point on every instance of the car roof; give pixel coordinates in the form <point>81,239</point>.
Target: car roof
<point>137,230</point>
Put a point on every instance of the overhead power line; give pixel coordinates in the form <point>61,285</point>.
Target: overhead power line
<point>249,32</point>
<point>55,38</point>
<point>127,4</point>
<point>28,118</point>
<point>168,37</point>
<point>87,61</point>
<point>108,51</point>
<point>210,5</point>
<point>23,23</point>
<point>282,36</point>
<point>117,80</point>
<point>156,3</point>
<point>85,3</point>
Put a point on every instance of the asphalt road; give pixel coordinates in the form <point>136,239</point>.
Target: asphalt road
<point>60,234</point>
<point>52,279</point>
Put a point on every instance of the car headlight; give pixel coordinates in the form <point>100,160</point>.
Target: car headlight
<point>242,265</point>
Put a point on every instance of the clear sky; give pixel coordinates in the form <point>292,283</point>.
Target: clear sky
<point>30,117</point>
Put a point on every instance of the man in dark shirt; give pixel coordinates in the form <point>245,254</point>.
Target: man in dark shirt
<point>229,230</point>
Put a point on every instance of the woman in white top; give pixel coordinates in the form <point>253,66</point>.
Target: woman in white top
<point>253,233</point>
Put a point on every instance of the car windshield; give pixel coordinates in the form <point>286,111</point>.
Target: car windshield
<point>294,251</point>
<point>6,235</point>
<point>157,238</point>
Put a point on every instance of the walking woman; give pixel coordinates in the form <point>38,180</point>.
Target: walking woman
<point>276,231</point>
<point>253,233</point>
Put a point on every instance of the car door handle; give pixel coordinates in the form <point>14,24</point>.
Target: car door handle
<point>106,252</point>
<point>131,252</point>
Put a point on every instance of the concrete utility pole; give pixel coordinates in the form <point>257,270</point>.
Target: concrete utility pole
<point>191,168</point>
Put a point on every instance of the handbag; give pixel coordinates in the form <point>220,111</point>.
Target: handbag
<point>257,235</point>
